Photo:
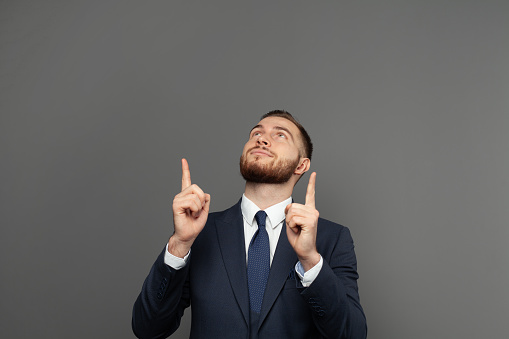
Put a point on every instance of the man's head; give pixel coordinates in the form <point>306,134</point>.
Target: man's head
<point>278,150</point>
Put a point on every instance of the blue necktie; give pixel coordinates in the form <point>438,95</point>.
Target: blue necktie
<point>258,263</point>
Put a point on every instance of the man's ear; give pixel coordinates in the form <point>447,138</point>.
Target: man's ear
<point>304,164</point>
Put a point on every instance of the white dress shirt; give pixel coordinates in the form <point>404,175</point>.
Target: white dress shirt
<point>274,224</point>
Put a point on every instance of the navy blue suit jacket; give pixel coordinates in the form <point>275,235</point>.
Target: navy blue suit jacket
<point>214,282</point>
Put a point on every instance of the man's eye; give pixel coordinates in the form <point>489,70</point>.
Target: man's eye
<point>281,135</point>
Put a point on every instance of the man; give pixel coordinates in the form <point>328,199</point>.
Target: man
<point>264,268</point>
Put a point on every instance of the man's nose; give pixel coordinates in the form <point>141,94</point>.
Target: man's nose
<point>262,141</point>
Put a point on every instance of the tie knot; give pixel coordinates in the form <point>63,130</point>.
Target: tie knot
<point>260,218</point>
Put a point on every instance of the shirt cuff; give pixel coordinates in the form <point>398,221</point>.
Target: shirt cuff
<point>307,278</point>
<point>175,262</point>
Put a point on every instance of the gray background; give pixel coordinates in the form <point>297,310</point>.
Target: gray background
<point>406,102</point>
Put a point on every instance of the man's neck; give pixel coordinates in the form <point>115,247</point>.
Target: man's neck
<point>266,195</point>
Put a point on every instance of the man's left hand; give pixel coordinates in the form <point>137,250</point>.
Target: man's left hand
<point>301,227</point>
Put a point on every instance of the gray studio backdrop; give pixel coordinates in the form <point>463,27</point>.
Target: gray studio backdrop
<point>406,101</point>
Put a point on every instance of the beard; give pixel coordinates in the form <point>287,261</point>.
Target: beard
<point>274,172</point>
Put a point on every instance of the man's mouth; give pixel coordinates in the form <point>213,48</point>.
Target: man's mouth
<point>259,151</point>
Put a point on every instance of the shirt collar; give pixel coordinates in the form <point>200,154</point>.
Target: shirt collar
<point>275,213</point>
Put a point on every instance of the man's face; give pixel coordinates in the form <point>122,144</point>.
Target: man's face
<point>271,154</point>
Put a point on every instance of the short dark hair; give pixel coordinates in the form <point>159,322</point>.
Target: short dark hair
<point>308,145</point>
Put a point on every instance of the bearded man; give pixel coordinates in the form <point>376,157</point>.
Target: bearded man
<point>264,268</point>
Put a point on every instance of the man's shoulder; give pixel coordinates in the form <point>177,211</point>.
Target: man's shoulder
<point>230,210</point>
<point>231,215</point>
<point>227,215</point>
<point>331,228</point>
<point>322,222</point>
<point>330,234</point>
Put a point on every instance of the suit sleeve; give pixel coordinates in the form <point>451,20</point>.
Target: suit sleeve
<point>161,302</point>
<point>333,296</point>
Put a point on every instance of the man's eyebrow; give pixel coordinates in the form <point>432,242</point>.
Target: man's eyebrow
<point>257,126</point>
<point>284,129</point>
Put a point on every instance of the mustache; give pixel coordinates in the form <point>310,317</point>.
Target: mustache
<point>262,148</point>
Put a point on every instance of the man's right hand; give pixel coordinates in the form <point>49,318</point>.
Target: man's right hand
<point>190,212</point>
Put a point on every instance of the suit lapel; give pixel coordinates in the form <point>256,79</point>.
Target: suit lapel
<point>283,262</point>
<point>230,232</point>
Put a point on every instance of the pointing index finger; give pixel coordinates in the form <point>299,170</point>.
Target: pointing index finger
<point>310,192</point>
<point>186,175</point>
